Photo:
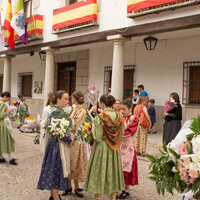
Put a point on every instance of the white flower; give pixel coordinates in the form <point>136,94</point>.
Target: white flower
<point>196,144</point>
<point>174,170</point>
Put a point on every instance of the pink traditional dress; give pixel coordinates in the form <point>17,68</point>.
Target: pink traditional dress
<point>128,152</point>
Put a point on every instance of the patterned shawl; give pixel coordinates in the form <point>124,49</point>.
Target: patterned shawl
<point>112,129</point>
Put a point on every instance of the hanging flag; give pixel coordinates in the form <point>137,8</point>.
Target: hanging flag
<point>18,22</point>
<point>7,26</point>
<point>3,11</point>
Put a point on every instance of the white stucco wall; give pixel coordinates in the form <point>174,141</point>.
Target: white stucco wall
<point>160,71</point>
<point>112,14</point>
<point>26,63</point>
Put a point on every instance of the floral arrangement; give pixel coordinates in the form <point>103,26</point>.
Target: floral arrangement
<point>178,167</point>
<point>92,94</point>
<point>169,105</point>
<point>60,125</point>
<point>15,103</point>
<point>84,133</point>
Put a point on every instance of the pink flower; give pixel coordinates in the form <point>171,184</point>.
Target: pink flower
<point>193,173</point>
<point>89,129</point>
<point>92,87</point>
<point>191,180</point>
<point>183,150</point>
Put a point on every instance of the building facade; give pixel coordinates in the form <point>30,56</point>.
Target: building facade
<point>74,44</point>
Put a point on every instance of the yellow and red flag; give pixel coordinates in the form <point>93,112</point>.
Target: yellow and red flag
<point>7,26</point>
<point>134,5</point>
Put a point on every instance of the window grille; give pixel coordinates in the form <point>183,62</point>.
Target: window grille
<point>129,82</point>
<point>191,82</point>
<point>25,84</point>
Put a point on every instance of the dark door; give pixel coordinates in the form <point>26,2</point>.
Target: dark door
<point>67,77</point>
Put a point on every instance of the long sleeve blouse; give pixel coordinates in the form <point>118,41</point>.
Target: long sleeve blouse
<point>131,126</point>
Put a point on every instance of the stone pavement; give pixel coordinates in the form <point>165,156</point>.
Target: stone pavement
<point>20,182</point>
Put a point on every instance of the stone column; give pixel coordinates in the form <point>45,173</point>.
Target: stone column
<point>117,84</point>
<point>7,73</point>
<point>49,72</point>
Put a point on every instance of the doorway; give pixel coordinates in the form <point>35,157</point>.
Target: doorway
<point>67,77</point>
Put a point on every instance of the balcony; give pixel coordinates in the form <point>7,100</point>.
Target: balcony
<point>34,30</point>
<point>136,8</point>
<point>75,16</point>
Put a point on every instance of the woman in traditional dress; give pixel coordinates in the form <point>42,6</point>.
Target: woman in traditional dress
<point>173,119</point>
<point>78,152</point>
<point>104,173</point>
<point>128,152</point>
<point>52,172</point>
<point>141,137</point>
<point>22,113</point>
<point>117,105</point>
<point>6,140</point>
<point>44,136</point>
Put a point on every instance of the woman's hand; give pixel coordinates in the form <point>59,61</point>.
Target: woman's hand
<point>93,109</point>
<point>165,114</point>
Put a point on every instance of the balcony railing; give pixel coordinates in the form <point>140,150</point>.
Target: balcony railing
<point>136,8</point>
<point>34,30</point>
<point>75,16</point>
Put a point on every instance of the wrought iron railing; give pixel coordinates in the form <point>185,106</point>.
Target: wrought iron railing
<point>34,29</point>
<point>136,10</point>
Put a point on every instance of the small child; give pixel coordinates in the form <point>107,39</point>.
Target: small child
<point>22,113</point>
<point>135,98</point>
<point>152,114</point>
<point>128,152</point>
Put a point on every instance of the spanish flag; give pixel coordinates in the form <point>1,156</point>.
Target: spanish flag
<point>7,26</point>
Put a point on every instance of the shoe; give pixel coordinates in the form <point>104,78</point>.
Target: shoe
<point>13,162</point>
<point>2,160</point>
<point>50,198</point>
<point>67,191</point>
<point>154,132</point>
<point>123,195</point>
<point>149,132</point>
<point>79,193</point>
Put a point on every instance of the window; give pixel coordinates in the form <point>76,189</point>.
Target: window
<point>128,80</point>
<point>25,84</point>
<point>1,83</point>
<point>27,8</point>
<point>191,82</point>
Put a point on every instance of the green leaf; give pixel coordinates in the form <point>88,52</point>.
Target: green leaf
<point>174,153</point>
<point>196,185</point>
<point>162,151</point>
<point>189,148</point>
<point>151,158</point>
<point>165,147</point>
<point>177,177</point>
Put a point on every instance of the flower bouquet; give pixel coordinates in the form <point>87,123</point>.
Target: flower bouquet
<point>84,133</point>
<point>178,166</point>
<point>169,105</point>
<point>15,103</point>
<point>92,94</point>
<point>60,125</point>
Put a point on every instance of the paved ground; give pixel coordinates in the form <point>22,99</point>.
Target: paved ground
<point>19,182</point>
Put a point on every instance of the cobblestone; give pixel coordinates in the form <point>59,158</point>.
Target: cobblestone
<point>20,182</point>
